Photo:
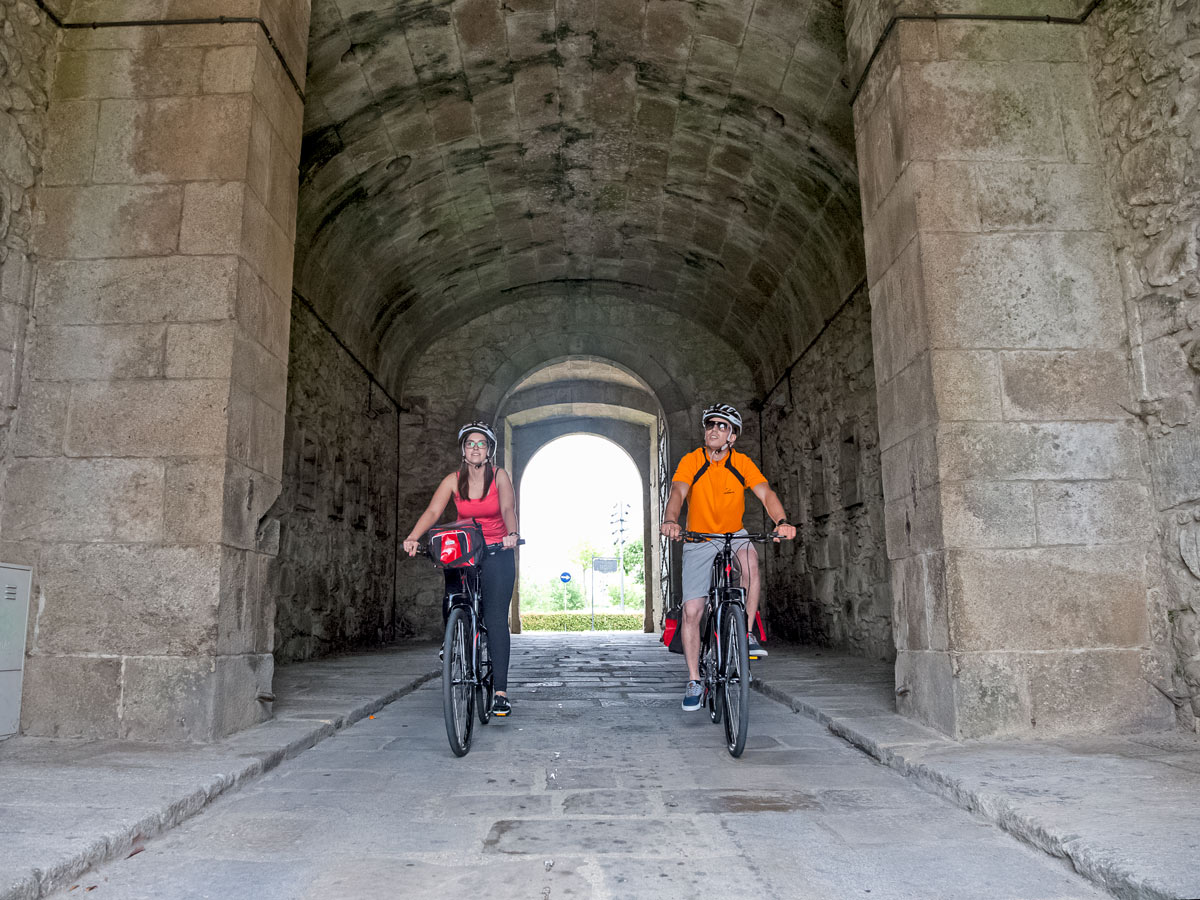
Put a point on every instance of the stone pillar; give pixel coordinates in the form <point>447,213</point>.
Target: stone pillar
<point>149,443</point>
<point>1018,522</point>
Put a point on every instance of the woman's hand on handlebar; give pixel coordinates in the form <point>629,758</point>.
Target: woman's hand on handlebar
<point>510,540</point>
<point>411,547</point>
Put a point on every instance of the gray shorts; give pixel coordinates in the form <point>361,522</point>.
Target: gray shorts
<point>697,565</point>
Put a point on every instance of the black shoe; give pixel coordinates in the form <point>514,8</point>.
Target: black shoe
<point>757,650</point>
<point>500,706</point>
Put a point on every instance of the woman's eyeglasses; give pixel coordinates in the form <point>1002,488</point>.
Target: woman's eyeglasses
<point>713,423</point>
<point>475,445</point>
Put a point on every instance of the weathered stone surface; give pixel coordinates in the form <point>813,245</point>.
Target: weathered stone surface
<point>1093,512</point>
<point>820,435</point>
<point>1053,694</point>
<point>1055,290</point>
<point>633,129</point>
<point>168,698</point>
<point>1063,385</point>
<point>59,499</point>
<point>128,599</point>
<point>109,221</point>
<point>163,395</point>
<point>98,352</point>
<point>173,139</point>
<point>1143,63</point>
<point>987,514</point>
<point>1047,599</point>
<point>174,289</point>
<point>148,418</point>
<point>332,583</point>
<point>71,696</point>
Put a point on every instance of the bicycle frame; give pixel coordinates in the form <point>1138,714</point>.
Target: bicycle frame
<point>725,666</point>
<point>471,668</point>
<point>724,588</point>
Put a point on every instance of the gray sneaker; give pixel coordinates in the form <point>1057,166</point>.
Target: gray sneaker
<point>691,696</point>
<point>757,650</point>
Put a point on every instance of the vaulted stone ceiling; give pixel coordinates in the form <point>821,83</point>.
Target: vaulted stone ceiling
<point>694,155</point>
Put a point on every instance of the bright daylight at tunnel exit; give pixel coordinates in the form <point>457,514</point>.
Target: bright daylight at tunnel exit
<point>371,371</point>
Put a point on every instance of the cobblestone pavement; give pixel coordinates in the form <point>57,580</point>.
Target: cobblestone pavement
<point>598,786</point>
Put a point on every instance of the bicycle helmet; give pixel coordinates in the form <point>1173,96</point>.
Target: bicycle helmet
<point>726,413</point>
<point>484,429</point>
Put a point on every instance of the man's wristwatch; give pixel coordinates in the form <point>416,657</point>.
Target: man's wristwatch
<point>782,521</point>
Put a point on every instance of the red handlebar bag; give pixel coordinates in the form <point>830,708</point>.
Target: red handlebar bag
<point>456,546</point>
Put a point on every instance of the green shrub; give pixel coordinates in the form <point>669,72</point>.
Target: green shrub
<point>581,621</point>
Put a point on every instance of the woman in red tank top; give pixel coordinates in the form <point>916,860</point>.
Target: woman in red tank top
<point>483,492</point>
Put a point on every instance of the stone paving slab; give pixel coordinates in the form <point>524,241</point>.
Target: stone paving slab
<point>68,805</point>
<point>1123,811</point>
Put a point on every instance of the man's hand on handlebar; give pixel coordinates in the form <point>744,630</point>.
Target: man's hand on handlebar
<point>785,532</point>
<point>671,530</point>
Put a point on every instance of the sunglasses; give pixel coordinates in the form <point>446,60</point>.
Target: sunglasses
<point>475,445</point>
<point>713,423</point>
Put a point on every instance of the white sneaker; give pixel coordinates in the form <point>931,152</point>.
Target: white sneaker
<point>691,696</point>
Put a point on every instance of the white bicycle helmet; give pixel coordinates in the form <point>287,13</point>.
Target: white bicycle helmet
<point>726,413</point>
<point>484,429</point>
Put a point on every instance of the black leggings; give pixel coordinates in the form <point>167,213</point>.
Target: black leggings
<point>497,576</point>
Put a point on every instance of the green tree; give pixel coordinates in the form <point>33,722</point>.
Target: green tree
<point>583,553</point>
<point>634,561</point>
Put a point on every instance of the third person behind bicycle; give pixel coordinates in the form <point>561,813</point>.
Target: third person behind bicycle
<point>714,479</point>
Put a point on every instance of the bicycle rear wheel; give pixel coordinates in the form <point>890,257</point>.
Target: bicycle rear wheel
<point>458,686</point>
<point>487,679</point>
<point>735,683</point>
<point>708,667</point>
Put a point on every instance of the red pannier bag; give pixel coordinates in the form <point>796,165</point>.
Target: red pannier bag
<point>456,546</point>
<point>671,637</point>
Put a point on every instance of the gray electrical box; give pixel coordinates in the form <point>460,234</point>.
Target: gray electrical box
<point>14,616</point>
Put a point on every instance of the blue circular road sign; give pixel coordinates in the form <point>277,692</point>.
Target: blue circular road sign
<point>565,577</point>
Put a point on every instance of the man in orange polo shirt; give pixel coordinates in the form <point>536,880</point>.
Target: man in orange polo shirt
<point>714,479</point>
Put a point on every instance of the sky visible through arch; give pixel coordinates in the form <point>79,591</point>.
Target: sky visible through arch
<point>567,495</point>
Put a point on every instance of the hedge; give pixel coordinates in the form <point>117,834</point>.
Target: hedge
<point>581,620</point>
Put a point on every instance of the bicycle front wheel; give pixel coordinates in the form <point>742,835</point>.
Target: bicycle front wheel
<point>735,681</point>
<point>458,683</point>
<point>487,678</point>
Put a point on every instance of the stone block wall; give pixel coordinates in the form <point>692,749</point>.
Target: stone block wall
<point>26,42</point>
<point>821,453</point>
<point>148,440</point>
<point>1144,58</point>
<point>333,579</point>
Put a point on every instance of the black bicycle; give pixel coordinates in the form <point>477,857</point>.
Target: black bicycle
<point>724,645</point>
<point>468,683</point>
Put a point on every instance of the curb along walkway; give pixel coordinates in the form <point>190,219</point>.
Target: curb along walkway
<point>1124,811</point>
<point>68,805</point>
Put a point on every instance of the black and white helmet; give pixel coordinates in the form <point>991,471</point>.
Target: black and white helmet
<point>484,429</point>
<point>725,412</point>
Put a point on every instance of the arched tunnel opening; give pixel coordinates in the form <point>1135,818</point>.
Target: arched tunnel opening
<point>568,218</point>
<point>584,504</point>
<point>949,286</point>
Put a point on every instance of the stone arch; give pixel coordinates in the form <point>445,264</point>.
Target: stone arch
<point>633,434</point>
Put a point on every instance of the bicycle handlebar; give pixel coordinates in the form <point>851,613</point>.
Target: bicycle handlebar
<point>760,537</point>
<point>422,547</point>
